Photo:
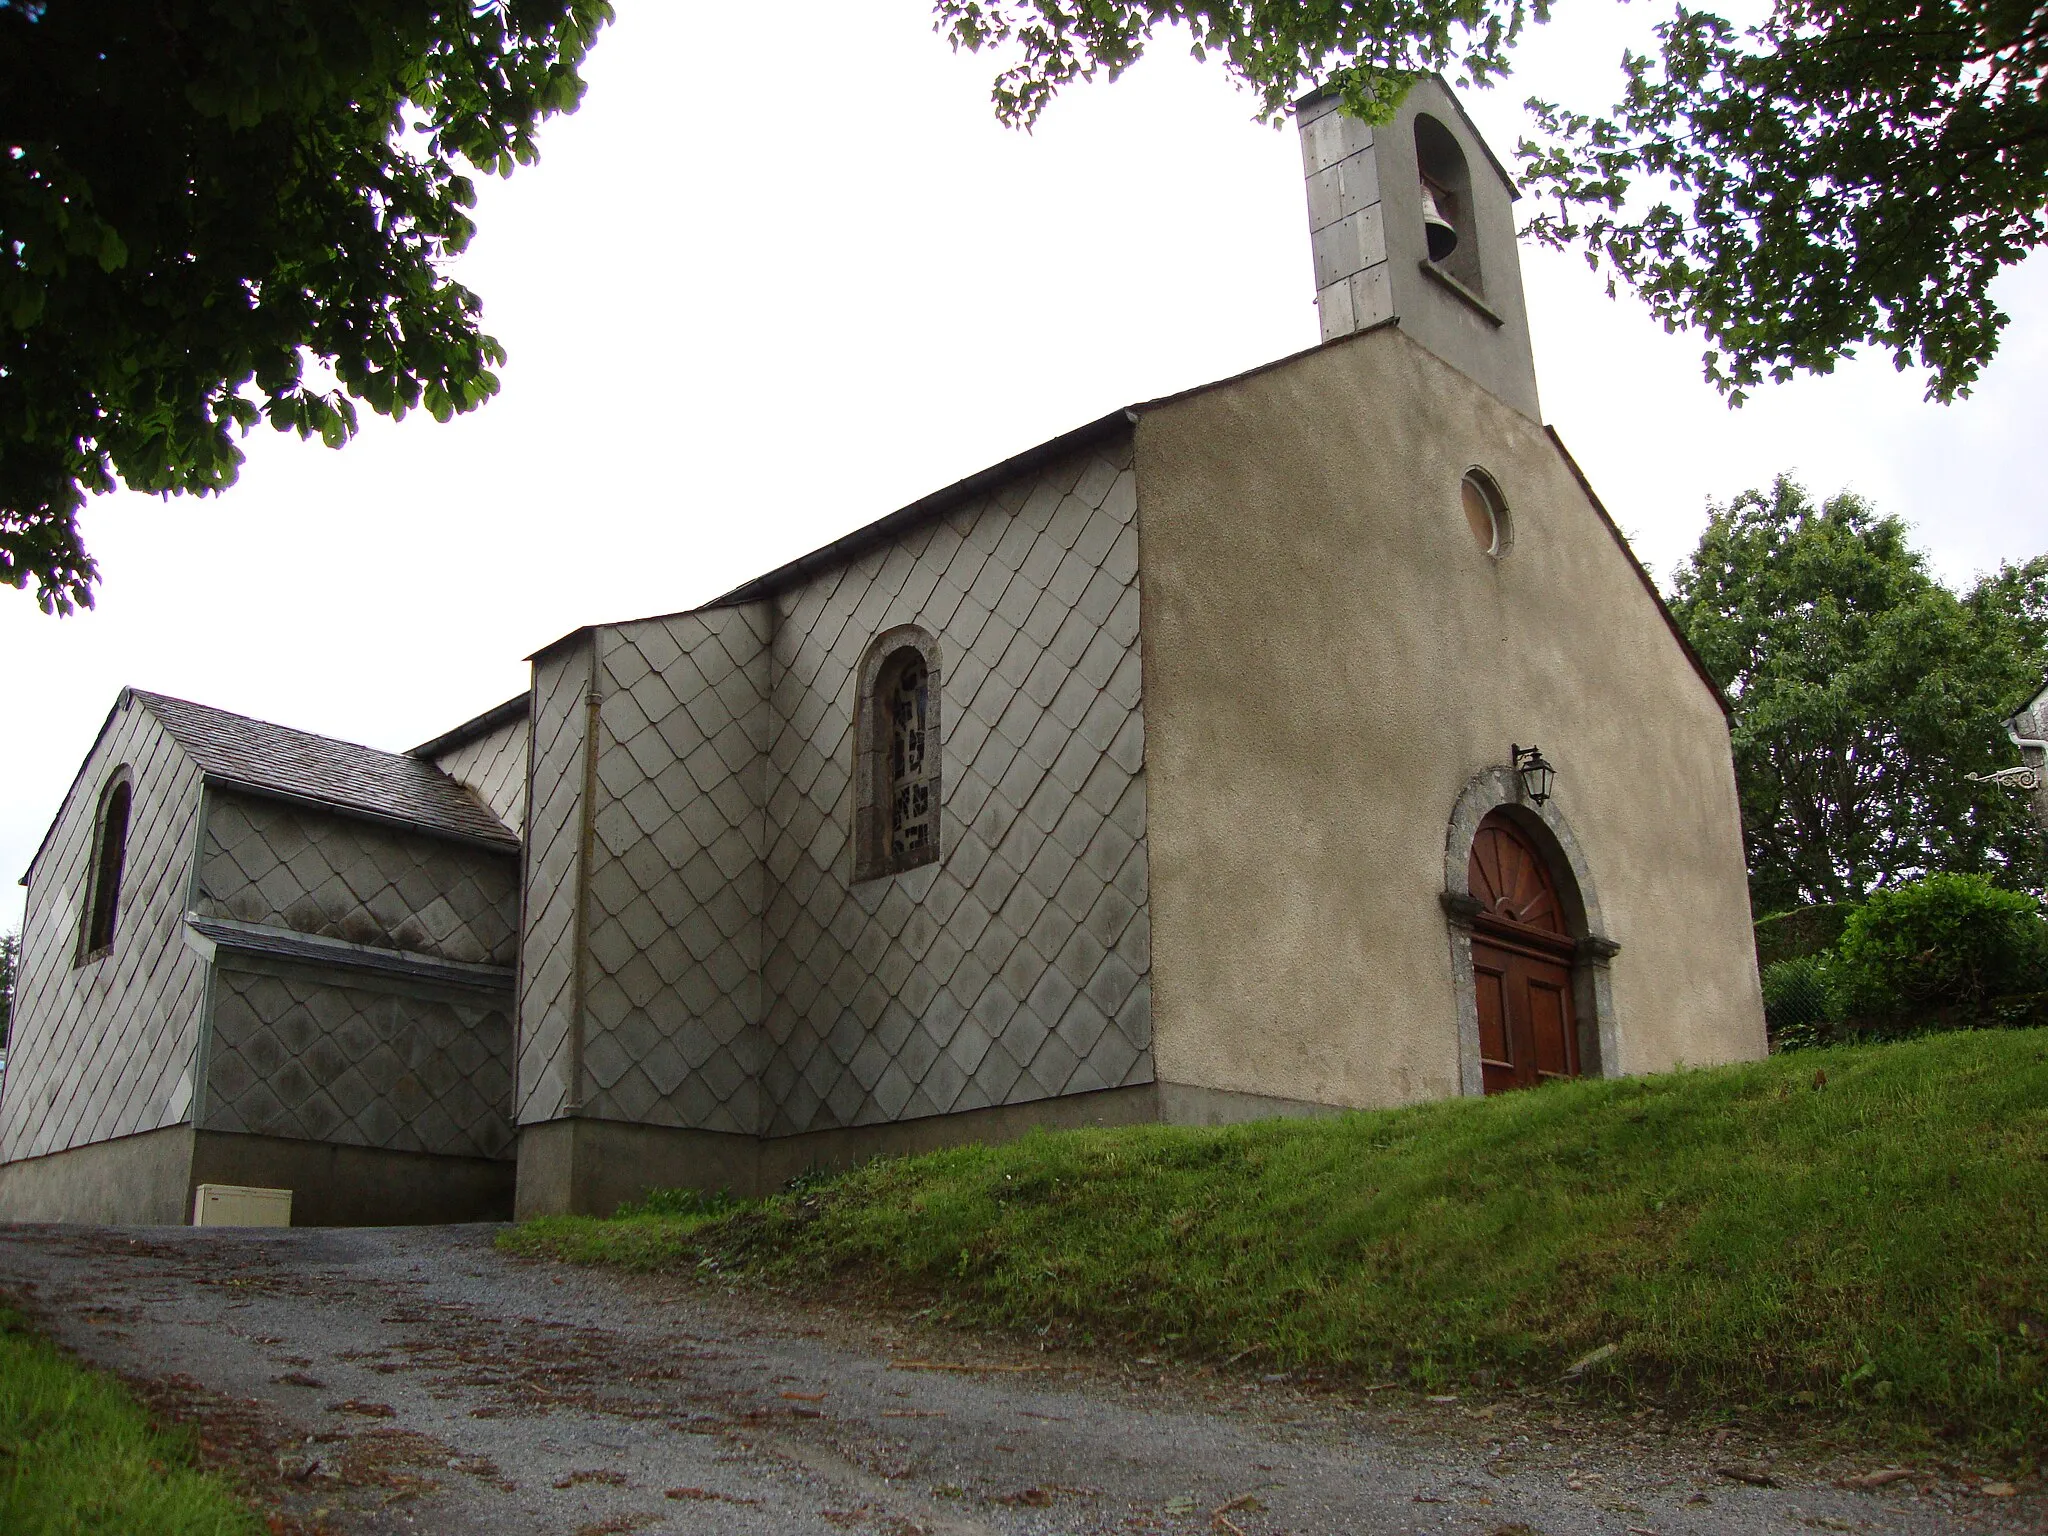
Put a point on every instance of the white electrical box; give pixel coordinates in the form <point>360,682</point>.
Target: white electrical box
<point>241,1205</point>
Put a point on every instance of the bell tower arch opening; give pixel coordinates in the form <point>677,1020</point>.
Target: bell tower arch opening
<point>1450,231</point>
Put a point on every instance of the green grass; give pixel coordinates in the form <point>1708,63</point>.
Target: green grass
<point>78,1457</point>
<point>1864,1253</point>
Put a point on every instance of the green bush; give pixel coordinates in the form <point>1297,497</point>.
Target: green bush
<point>1939,950</point>
<point>1798,1004</point>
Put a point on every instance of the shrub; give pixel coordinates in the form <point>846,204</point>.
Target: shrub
<point>1947,944</point>
<point>1798,1011</point>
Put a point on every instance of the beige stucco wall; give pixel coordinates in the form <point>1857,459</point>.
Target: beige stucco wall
<point>1330,658</point>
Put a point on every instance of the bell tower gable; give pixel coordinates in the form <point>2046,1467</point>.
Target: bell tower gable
<point>1413,221</point>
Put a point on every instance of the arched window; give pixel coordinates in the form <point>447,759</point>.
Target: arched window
<point>103,883</point>
<point>1448,185</point>
<point>897,777</point>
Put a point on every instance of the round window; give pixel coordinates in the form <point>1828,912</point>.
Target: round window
<point>1485,512</point>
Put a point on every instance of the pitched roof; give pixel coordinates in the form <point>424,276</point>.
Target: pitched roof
<point>298,765</point>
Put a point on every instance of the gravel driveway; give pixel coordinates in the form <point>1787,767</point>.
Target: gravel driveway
<point>413,1379</point>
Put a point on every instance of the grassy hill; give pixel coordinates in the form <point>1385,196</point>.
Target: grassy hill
<point>1849,1235</point>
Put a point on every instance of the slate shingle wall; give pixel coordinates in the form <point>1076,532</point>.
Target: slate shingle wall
<point>1018,967</point>
<point>676,876</point>
<point>493,767</point>
<point>290,866</point>
<point>105,1049</point>
<point>736,978</point>
<point>294,1053</point>
<point>547,940</point>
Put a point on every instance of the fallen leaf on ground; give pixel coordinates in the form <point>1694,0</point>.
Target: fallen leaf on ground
<point>597,1475</point>
<point>1250,1503</point>
<point>298,1379</point>
<point>1756,1477</point>
<point>367,1410</point>
<point>1027,1498</point>
<point>805,1397</point>
<point>1878,1479</point>
<point>1997,1490</point>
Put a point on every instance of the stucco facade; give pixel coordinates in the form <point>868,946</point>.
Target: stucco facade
<point>1330,659</point>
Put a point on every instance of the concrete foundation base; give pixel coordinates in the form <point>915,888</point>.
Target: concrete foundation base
<point>591,1167</point>
<point>148,1180</point>
<point>140,1181</point>
<point>343,1186</point>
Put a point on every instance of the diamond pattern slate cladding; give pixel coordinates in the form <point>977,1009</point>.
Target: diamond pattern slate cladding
<point>291,866</point>
<point>547,962</point>
<point>493,768</point>
<point>260,755</point>
<point>319,1060</point>
<point>676,875</point>
<point>1019,967</point>
<point>105,1049</point>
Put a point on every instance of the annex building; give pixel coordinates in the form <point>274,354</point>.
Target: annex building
<point>1166,771</point>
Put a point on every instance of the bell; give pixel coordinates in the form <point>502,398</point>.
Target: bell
<point>1442,234</point>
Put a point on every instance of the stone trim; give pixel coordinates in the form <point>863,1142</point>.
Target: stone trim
<point>1592,986</point>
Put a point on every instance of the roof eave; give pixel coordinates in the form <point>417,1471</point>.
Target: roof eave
<point>472,730</point>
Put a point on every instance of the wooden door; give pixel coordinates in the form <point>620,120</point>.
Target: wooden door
<point>1521,964</point>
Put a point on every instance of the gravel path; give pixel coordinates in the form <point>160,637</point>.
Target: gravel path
<point>413,1379</point>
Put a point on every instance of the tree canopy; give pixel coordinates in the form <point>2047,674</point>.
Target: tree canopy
<point>1845,173</point>
<point>1864,690</point>
<point>216,212</point>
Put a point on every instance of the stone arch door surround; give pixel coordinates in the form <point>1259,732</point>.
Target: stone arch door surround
<point>1545,827</point>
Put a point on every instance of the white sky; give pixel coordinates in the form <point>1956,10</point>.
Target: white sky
<point>747,313</point>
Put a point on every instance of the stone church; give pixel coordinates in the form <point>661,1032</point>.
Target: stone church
<point>1307,740</point>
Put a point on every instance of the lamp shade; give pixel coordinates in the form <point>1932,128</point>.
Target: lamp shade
<point>1537,774</point>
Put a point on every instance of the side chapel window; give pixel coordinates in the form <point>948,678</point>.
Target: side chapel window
<point>103,885</point>
<point>899,747</point>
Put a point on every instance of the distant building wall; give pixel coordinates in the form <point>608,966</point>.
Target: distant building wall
<point>105,1048</point>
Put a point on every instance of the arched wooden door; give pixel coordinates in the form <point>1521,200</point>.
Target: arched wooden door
<point>1521,963</point>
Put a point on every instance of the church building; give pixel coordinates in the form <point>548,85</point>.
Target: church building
<point>1305,741</point>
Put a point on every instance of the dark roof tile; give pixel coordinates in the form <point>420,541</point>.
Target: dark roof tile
<point>257,755</point>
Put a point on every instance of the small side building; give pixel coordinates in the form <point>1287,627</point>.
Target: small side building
<point>258,956</point>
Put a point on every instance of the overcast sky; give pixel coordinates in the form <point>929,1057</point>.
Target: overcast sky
<point>764,288</point>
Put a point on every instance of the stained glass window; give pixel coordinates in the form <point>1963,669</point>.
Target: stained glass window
<point>913,798</point>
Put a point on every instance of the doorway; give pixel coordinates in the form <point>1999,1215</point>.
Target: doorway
<point>1522,954</point>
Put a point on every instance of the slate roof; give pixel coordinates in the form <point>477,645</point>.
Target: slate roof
<point>275,759</point>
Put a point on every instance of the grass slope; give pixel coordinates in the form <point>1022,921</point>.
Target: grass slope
<point>79,1458</point>
<point>1853,1233</point>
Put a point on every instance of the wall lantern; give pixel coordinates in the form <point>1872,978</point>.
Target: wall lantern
<point>1537,774</point>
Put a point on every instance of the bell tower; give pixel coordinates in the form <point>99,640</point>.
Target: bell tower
<point>1414,222</point>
